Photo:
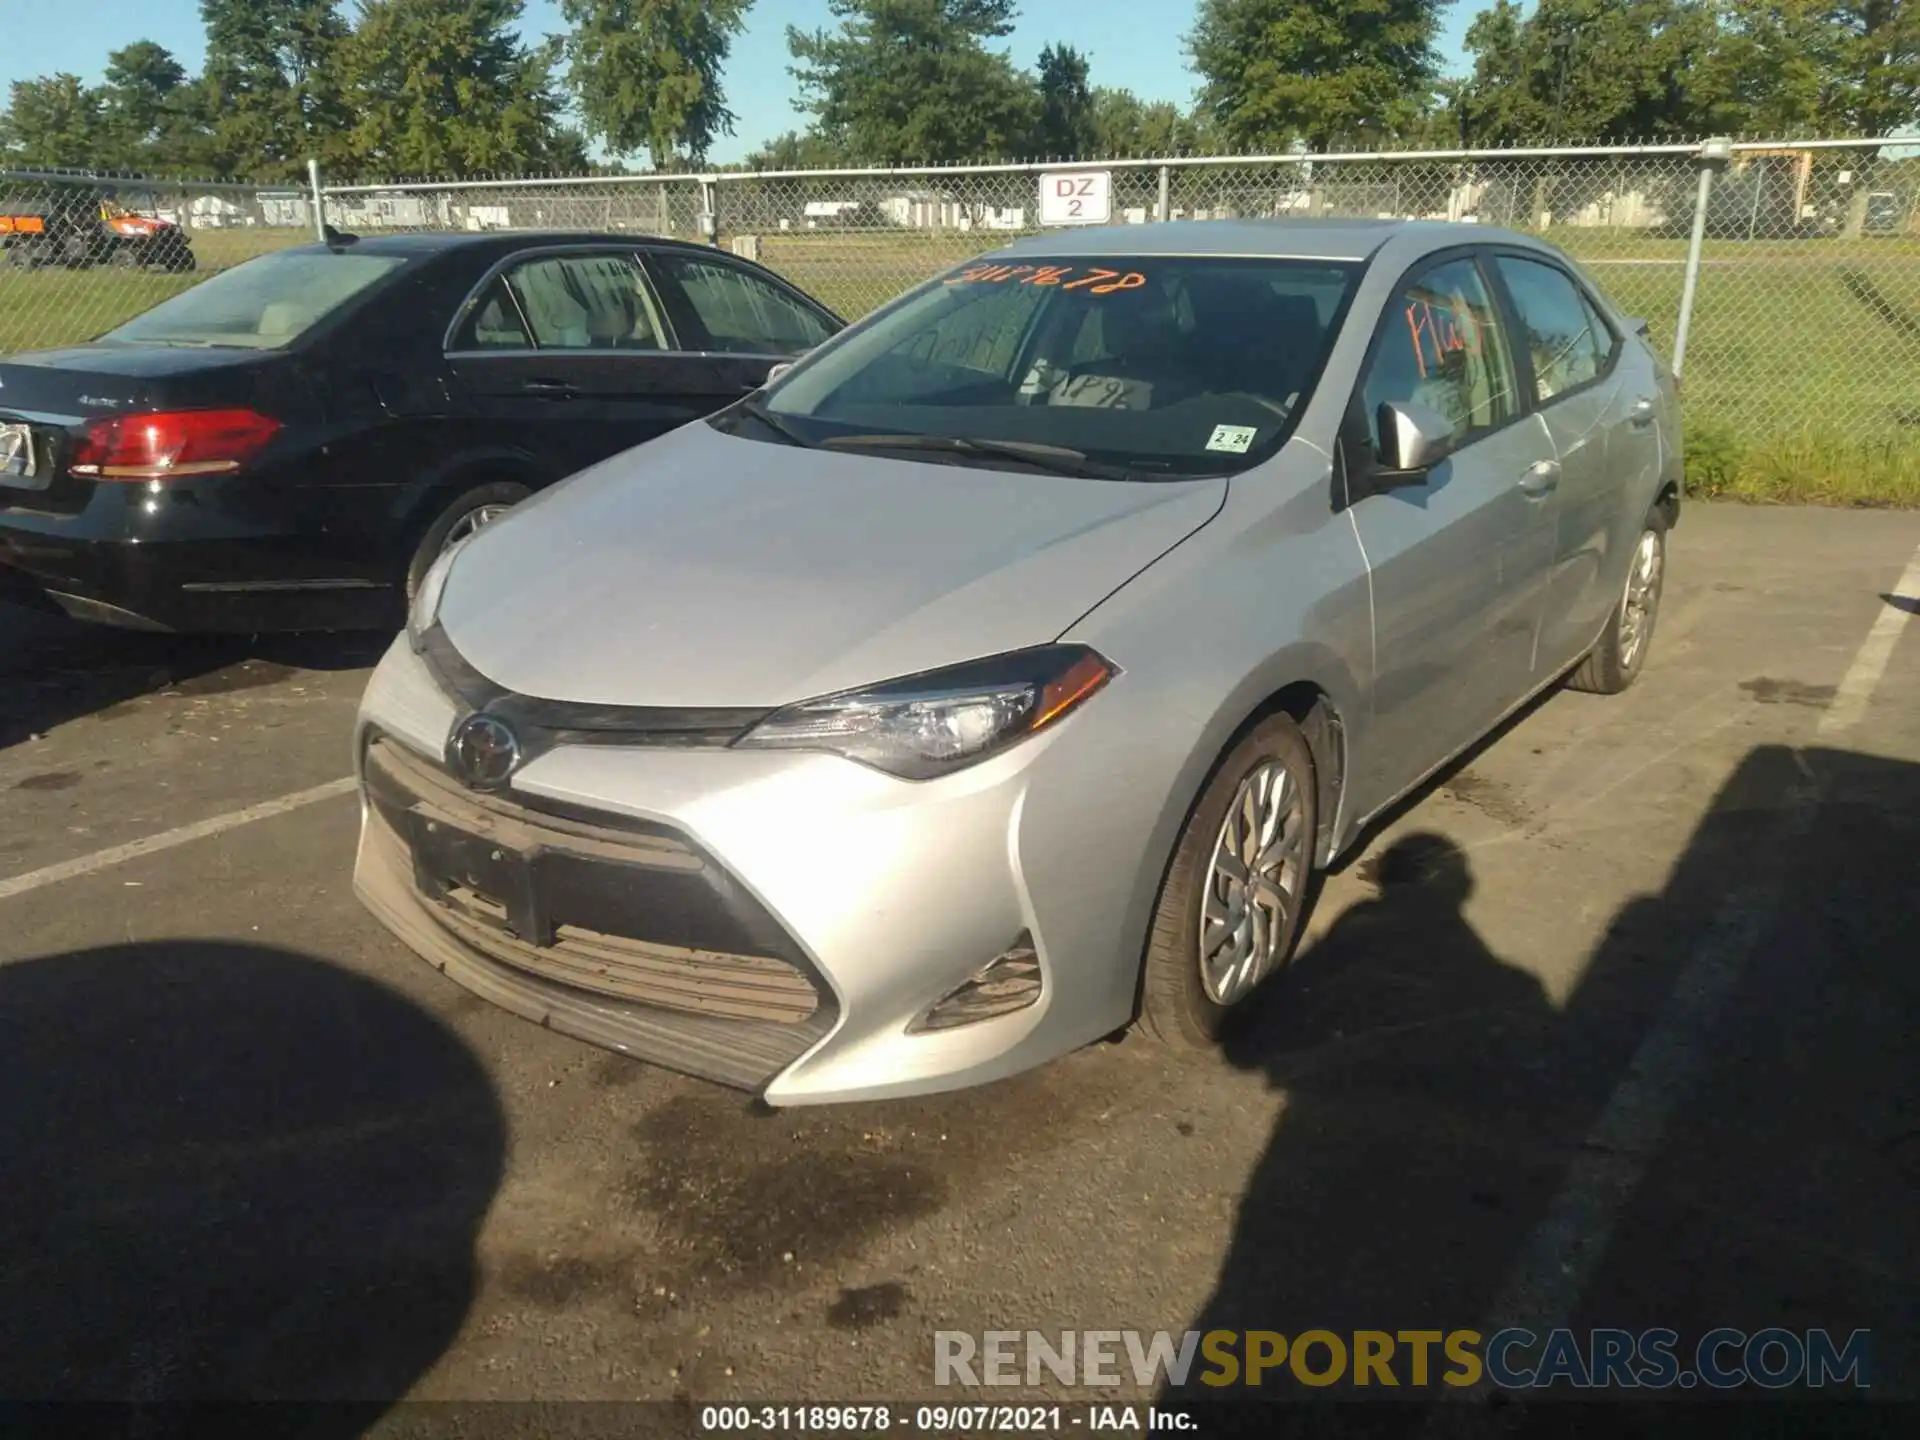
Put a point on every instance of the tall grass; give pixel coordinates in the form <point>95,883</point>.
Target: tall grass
<point>1810,468</point>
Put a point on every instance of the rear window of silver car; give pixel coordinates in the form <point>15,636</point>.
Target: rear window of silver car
<point>1164,364</point>
<point>261,305</point>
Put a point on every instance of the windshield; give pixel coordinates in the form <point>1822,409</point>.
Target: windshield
<point>261,305</point>
<point>1161,365</point>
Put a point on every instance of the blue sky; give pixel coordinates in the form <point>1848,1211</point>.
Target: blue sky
<point>1133,43</point>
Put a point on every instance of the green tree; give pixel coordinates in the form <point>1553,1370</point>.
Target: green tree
<point>1849,68</point>
<point>646,73</point>
<point>1599,70</point>
<point>795,150</point>
<point>1066,105</point>
<point>912,81</point>
<point>1770,69</point>
<point>1124,125</point>
<point>272,83</point>
<point>1882,66</point>
<point>53,123</point>
<point>1331,72</point>
<point>446,87</point>
<point>142,78</point>
<point>148,110</point>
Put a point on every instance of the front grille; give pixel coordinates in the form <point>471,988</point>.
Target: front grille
<point>624,909</point>
<point>701,982</point>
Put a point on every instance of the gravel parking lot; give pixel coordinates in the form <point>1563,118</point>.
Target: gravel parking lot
<point>1612,1026</point>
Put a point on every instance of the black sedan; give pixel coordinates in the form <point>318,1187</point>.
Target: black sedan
<point>289,445</point>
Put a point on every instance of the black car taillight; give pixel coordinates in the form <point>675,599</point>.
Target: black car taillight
<point>171,443</point>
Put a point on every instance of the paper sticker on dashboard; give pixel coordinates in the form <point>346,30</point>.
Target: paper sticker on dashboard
<point>1103,392</point>
<point>1234,439</point>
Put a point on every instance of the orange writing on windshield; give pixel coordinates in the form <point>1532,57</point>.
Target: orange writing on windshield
<point>1438,331</point>
<point>1095,281</point>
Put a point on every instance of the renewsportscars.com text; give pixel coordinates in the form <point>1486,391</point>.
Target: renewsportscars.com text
<point>1510,1359</point>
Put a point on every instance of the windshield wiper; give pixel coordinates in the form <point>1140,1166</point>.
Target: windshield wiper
<point>757,408</point>
<point>1058,458</point>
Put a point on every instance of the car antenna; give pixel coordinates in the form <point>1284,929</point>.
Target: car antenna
<point>337,237</point>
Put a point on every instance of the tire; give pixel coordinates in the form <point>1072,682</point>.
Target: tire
<point>458,520</point>
<point>1617,660</point>
<point>1182,1002</point>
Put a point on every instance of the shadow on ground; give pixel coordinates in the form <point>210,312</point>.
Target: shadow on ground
<point>1439,1107</point>
<point>53,669</point>
<point>232,1173</point>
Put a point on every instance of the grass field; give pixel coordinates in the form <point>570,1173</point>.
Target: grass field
<point>1802,371</point>
<point>40,309</point>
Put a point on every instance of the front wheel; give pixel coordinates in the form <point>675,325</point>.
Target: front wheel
<point>466,516</point>
<point>1616,662</point>
<point>1233,899</point>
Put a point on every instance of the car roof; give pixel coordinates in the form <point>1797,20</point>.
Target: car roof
<point>1287,238</point>
<point>436,242</point>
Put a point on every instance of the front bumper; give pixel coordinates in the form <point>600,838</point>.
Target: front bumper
<point>856,901</point>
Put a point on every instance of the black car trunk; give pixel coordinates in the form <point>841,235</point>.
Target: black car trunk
<point>48,398</point>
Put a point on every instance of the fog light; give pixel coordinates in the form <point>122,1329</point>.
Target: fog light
<point>1009,982</point>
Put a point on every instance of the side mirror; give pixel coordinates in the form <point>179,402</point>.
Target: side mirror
<point>1413,439</point>
<point>1638,326</point>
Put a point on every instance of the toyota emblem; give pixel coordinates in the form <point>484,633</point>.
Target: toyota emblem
<point>484,751</point>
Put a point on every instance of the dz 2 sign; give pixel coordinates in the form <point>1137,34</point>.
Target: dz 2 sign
<point>1076,197</point>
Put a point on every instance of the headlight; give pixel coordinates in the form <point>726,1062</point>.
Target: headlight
<point>929,724</point>
<point>426,600</point>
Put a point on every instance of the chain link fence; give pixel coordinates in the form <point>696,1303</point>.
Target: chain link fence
<point>79,254</point>
<point>1804,329</point>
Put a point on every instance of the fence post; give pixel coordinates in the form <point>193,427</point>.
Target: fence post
<point>709,210</point>
<point>319,201</point>
<point>1163,211</point>
<point>1714,154</point>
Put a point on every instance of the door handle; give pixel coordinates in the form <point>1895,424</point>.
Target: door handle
<point>552,389</point>
<point>1540,480</point>
<point>1641,415</point>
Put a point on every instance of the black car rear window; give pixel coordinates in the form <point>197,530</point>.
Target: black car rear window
<point>263,304</point>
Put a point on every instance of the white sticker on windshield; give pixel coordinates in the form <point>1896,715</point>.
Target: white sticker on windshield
<point>1103,392</point>
<point>1234,439</point>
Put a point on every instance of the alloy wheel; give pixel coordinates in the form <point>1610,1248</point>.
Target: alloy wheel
<point>1642,598</point>
<point>472,523</point>
<point>1254,883</point>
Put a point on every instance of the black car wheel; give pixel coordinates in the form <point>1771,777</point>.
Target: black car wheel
<point>473,511</point>
<point>1234,897</point>
<point>1615,663</point>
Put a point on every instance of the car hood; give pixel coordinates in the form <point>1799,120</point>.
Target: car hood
<point>705,569</point>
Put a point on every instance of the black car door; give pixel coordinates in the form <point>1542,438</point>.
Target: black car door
<point>570,349</point>
<point>743,320</point>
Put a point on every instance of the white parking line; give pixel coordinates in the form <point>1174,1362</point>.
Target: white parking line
<point>1558,1261</point>
<point>1863,676</point>
<point>168,839</point>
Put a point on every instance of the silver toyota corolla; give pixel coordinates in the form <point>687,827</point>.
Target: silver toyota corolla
<point>996,676</point>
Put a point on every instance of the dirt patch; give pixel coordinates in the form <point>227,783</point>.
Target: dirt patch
<point>1489,797</point>
<point>49,780</point>
<point>865,1306</point>
<point>742,1198</point>
<point>615,1072</point>
<point>555,1281</point>
<point>247,675</point>
<point>1766,690</point>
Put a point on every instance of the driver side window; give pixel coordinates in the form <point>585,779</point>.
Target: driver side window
<point>1442,346</point>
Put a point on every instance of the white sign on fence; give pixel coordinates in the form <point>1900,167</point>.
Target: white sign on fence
<point>1076,197</point>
